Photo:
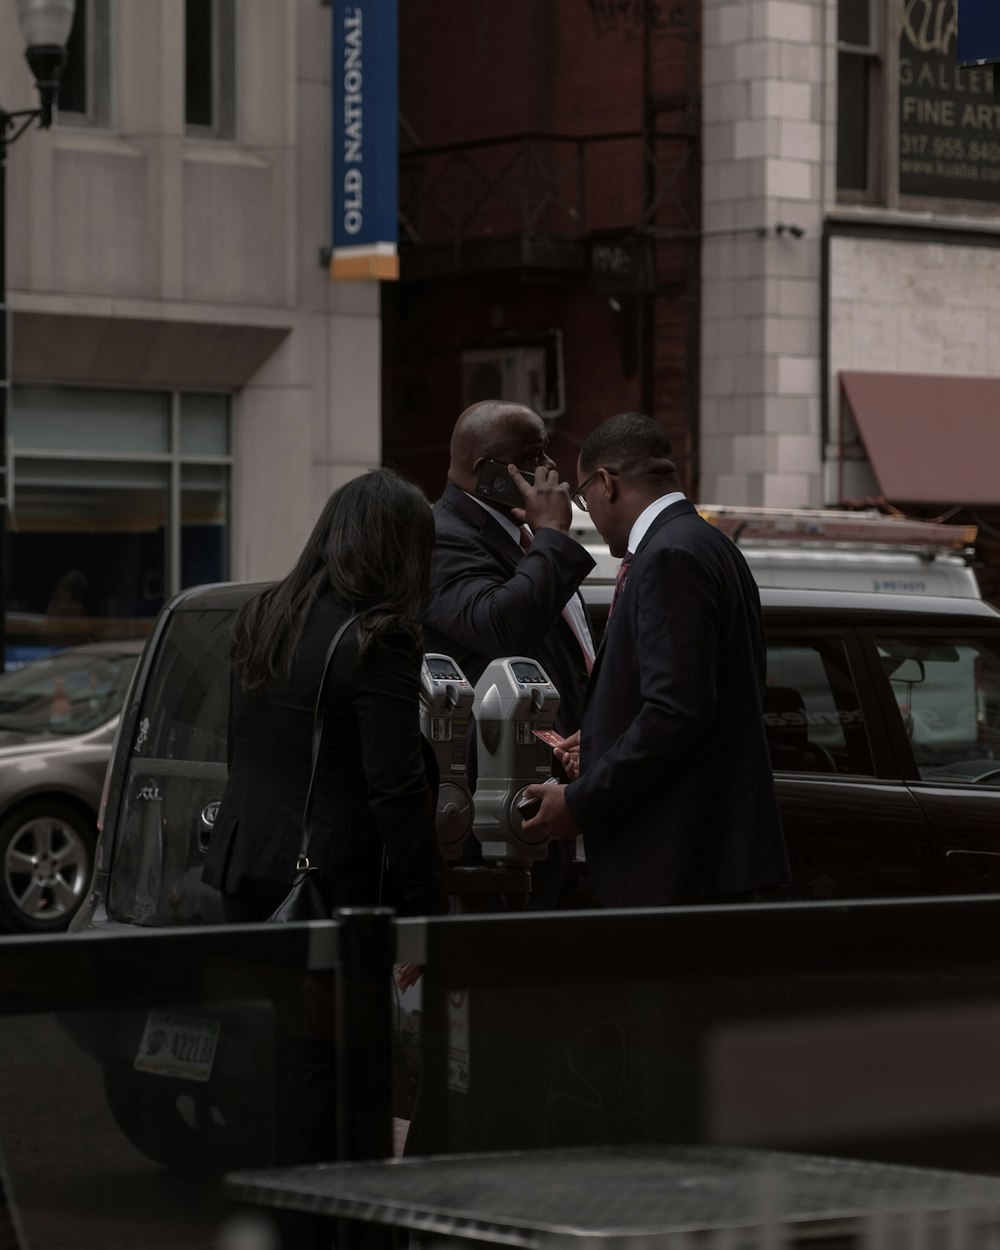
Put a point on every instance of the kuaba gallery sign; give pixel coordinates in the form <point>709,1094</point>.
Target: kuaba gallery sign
<point>949,122</point>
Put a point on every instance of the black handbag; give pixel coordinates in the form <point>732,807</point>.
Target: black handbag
<point>304,900</point>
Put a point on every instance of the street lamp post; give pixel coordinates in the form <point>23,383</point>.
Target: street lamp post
<point>45,25</point>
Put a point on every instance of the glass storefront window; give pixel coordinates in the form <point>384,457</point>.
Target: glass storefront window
<point>119,499</point>
<point>62,418</point>
<point>204,510</point>
<point>204,425</point>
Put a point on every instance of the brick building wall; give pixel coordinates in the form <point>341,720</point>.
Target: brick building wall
<point>599,83</point>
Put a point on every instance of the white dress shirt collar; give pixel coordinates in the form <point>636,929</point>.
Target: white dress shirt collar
<point>504,522</point>
<point>646,518</point>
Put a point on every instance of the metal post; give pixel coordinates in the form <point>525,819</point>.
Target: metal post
<point>5,123</point>
<point>12,126</point>
<point>10,1230</point>
<point>47,27</point>
<point>365,953</point>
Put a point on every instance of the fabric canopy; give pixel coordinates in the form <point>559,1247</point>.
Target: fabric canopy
<point>930,439</point>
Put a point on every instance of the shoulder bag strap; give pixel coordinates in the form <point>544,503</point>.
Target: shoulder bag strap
<point>317,738</point>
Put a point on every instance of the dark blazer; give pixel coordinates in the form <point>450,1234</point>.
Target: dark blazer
<point>371,787</point>
<point>490,599</point>
<point>676,795</point>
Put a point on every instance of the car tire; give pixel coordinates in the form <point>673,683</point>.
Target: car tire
<point>46,859</point>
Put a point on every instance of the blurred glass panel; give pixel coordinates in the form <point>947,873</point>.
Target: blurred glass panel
<point>852,122</point>
<point>84,97</point>
<point>60,418</point>
<point>210,67</point>
<point>162,1070</point>
<point>69,693</point>
<point>811,709</point>
<point>73,86</point>
<point>176,772</point>
<point>854,22</point>
<point>204,524</point>
<point>198,59</point>
<point>204,425</point>
<point>225,69</point>
<point>948,694</point>
<point>86,558</point>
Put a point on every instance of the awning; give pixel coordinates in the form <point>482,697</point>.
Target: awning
<point>930,439</point>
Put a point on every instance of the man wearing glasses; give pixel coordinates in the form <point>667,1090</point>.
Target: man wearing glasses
<point>673,788</point>
<point>504,579</point>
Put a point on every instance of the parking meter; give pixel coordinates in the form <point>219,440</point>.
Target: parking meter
<point>445,703</point>
<point>513,698</point>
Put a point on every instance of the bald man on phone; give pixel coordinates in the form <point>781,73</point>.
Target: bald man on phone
<point>505,579</point>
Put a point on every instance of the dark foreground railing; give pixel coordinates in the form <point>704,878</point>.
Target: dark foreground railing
<point>137,1068</point>
<point>866,1029</point>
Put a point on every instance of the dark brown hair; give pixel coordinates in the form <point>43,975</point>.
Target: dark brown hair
<point>372,546</point>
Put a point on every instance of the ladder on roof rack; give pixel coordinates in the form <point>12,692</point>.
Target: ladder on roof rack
<point>818,525</point>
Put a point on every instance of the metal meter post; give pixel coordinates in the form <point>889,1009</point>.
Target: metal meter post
<point>513,698</point>
<point>445,704</point>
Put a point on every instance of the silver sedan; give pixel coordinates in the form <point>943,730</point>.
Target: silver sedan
<point>57,723</point>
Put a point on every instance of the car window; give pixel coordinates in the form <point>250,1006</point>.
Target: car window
<point>174,777</point>
<point>71,692</point>
<point>947,690</point>
<point>811,709</point>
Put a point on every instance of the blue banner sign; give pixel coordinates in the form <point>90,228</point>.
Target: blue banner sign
<point>978,32</point>
<point>365,84</point>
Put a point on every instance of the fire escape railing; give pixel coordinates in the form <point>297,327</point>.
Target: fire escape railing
<point>531,185</point>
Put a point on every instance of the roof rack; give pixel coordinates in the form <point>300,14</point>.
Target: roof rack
<point>823,525</point>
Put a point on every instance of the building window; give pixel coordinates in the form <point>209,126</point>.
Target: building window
<point>85,97</point>
<point>118,500</point>
<point>857,75</point>
<point>948,146</point>
<point>914,127</point>
<point>210,67</point>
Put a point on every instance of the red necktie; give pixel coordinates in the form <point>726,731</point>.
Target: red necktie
<point>525,539</point>
<point>620,577</point>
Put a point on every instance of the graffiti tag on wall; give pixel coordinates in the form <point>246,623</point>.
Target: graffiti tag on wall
<point>629,17</point>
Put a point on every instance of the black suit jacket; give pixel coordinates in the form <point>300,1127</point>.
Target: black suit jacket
<point>371,787</point>
<point>676,796</point>
<point>490,599</point>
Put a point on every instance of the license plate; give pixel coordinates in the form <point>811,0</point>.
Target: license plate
<point>182,1046</point>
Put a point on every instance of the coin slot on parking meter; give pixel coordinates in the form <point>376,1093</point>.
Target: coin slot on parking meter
<point>445,704</point>
<point>514,702</point>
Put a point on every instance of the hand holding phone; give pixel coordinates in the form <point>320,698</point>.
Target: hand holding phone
<point>495,484</point>
<point>528,808</point>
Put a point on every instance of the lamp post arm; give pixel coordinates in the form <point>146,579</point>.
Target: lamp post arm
<point>13,125</point>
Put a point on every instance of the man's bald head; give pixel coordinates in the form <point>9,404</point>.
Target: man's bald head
<point>495,429</point>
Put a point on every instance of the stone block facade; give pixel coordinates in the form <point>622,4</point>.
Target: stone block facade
<point>767,174</point>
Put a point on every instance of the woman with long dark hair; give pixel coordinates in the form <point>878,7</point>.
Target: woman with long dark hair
<point>372,808</point>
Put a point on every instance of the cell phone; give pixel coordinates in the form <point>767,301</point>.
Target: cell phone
<point>496,485</point>
<point>527,808</point>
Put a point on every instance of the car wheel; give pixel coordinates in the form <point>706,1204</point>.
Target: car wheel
<point>46,854</point>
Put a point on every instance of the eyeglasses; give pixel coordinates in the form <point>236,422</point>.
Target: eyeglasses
<point>578,496</point>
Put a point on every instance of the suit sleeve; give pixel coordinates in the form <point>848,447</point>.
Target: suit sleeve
<point>674,643</point>
<point>385,694</point>
<point>476,602</point>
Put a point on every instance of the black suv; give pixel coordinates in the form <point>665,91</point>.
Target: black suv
<point>883,714</point>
